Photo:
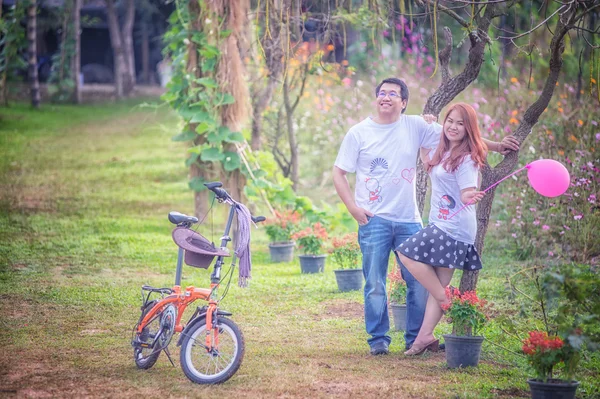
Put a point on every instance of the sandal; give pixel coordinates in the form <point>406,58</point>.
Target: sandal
<point>432,346</point>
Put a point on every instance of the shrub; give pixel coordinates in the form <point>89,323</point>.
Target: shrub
<point>466,311</point>
<point>310,240</point>
<point>346,251</point>
<point>397,287</point>
<point>281,227</point>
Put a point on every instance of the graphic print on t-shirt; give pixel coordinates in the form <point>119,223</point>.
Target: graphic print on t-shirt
<point>374,188</point>
<point>446,203</point>
<point>377,172</point>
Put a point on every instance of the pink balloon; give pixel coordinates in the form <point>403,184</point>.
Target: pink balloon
<point>548,177</point>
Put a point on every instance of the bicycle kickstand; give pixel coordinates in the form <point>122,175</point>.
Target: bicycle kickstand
<point>169,355</point>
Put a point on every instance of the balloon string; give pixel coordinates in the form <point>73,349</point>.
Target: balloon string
<point>490,187</point>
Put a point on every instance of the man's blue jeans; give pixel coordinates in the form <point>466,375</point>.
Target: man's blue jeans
<point>377,238</point>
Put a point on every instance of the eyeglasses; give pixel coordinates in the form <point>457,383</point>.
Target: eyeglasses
<point>392,94</point>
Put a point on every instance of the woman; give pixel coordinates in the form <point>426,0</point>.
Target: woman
<point>447,243</point>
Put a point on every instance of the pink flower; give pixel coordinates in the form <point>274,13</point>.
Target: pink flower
<point>347,82</point>
<point>545,227</point>
<point>550,253</point>
<point>514,235</point>
<point>577,217</point>
<point>597,136</point>
<point>536,222</point>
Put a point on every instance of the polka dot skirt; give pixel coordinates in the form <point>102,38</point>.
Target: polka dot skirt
<point>436,248</point>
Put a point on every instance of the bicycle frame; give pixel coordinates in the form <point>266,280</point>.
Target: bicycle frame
<point>181,299</point>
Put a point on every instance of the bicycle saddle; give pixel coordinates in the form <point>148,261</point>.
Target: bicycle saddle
<point>178,218</point>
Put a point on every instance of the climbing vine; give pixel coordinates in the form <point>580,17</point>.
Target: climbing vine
<point>192,44</point>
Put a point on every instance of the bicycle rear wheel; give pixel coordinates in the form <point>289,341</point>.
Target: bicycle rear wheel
<point>145,358</point>
<point>217,365</point>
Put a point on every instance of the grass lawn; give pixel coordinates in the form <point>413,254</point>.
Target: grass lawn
<point>84,197</point>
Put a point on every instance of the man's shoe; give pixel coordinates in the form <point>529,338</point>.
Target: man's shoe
<point>380,348</point>
<point>442,347</point>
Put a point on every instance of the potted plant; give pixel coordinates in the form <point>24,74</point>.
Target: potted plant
<point>397,298</point>
<point>279,230</point>
<point>310,241</point>
<point>466,311</point>
<point>544,353</point>
<point>346,255</point>
<point>571,292</point>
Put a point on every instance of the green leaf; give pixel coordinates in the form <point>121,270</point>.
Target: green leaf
<point>232,161</point>
<point>212,154</point>
<point>198,149</point>
<point>208,82</point>
<point>188,113</point>
<point>197,184</point>
<point>186,135</point>
<point>259,173</point>
<point>235,137</point>
<point>208,51</point>
<point>209,65</point>
<point>198,38</point>
<point>225,33</point>
<point>214,138</point>
<point>201,116</point>
<point>191,160</point>
<point>203,128</point>
<point>227,99</point>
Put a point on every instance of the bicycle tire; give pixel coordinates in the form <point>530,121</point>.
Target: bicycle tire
<point>146,358</point>
<point>194,357</point>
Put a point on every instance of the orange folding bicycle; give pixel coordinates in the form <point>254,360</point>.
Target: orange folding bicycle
<point>212,345</point>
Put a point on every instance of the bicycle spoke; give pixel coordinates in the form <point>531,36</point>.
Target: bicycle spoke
<point>198,343</point>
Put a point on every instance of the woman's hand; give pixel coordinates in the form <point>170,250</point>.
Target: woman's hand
<point>508,144</point>
<point>471,196</point>
<point>429,118</point>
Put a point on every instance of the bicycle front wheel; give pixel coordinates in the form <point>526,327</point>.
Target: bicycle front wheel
<point>215,365</point>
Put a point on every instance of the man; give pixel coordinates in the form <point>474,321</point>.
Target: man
<point>382,151</point>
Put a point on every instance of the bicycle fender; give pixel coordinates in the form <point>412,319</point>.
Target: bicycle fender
<point>199,319</point>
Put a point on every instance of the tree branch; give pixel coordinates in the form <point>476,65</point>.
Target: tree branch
<point>444,56</point>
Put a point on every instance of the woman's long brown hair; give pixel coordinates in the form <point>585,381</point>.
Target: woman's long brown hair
<point>470,145</point>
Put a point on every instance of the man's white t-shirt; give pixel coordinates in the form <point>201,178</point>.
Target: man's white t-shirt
<point>445,200</point>
<point>384,158</point>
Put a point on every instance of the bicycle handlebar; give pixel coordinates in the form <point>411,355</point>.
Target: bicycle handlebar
<point>215,187</point>
<point>223,195</point>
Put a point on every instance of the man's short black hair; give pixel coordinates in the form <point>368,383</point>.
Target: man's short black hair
<point>398,82</point>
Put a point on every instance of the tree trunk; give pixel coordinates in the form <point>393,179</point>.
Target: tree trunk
<point>76,67</point>
<point>297,20</point>
<point>293,142</point>
<point>32,53</point>
<point>451,86</point>
<point>120,66</point>
<point>145,53</point>
<point>490,176</point>
<point>3,98</point>
<point>198,169</point>
<point>272,46</point>
<point>129,55</point>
